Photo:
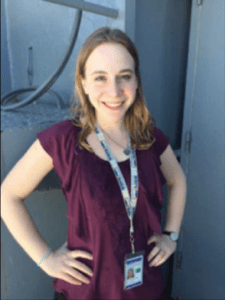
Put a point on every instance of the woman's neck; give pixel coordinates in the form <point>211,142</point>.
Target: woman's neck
<point>116,128</point>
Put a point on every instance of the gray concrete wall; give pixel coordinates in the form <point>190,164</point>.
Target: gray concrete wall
<point>5,68</point>
<point>161,36</point>
<point>46,27</point>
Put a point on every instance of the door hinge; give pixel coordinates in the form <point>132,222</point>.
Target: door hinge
<point>188,142</point>
<point>179,259</point>
<point>199,2</point>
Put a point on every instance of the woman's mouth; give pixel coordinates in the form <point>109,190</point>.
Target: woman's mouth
<point>114,106</point>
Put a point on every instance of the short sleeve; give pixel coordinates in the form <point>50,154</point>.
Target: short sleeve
<point>161,143</point>
<point>158,147</point>
<point>58,142</point>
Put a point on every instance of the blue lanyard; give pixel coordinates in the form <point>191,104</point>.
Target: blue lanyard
<point>130,203</point>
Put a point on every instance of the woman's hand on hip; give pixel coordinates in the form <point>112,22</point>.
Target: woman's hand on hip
<point>62,264</point>
<point>163,249</point>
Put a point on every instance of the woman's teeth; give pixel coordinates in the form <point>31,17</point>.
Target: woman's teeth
<point>114,104</point>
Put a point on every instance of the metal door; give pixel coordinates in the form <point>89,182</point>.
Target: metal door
<point>199,269</point>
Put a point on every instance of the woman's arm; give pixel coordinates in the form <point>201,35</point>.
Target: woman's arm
<point>175,206</point>
<point>19,183</point>
<point>176,182</point>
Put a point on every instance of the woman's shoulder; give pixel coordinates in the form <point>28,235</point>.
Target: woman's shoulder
<point>161,140</point>
<point>63,127</point>
<point>63,132</point>
<point>158,133</point>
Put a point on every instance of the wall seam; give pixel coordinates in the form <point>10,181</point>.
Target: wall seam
<point>8,39</point>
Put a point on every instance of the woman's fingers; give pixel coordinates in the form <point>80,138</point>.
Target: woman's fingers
<point>162,251</point>
<point>81,253</point>
<point>77,275</point>
<point>64,264</point>
<point>82,267</point>
<point>79,266</point>
<point>153,253</point>
<point>66,277</point>
<point>158,259</point>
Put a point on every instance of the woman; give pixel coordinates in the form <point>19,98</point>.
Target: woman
<point>113,162</point>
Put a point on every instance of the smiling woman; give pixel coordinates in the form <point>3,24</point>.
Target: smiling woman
<point>114,85</point>
<point>108,90</point>
<point>112,183</point>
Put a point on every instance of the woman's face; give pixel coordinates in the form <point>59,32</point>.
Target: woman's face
<point>110,79</point>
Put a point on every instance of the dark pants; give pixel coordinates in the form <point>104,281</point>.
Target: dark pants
<point>59,296</point>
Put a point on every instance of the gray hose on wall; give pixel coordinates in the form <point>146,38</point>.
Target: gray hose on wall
<point>49,82</point>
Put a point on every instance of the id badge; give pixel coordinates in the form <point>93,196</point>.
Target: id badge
<point>133,269</point>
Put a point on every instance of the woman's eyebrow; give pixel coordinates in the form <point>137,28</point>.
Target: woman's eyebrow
<point>98,72</point>
<point>126,70</point>
<point>104,72</point>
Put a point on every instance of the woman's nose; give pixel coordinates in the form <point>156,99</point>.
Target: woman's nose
<point>114,88</point>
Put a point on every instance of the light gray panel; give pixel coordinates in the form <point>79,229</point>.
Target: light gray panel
<point>130,19</point>
<point>203,248</point>
<point>5,68</point>
<point>25,280</point>
<point>161,37</point>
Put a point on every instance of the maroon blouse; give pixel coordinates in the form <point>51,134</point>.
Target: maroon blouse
<point>98,221</point>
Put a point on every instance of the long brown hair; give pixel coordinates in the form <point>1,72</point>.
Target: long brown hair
<point>138,120</point>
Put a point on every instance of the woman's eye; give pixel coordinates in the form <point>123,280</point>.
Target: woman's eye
<point>100,78</point>
<point>126,77</point>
